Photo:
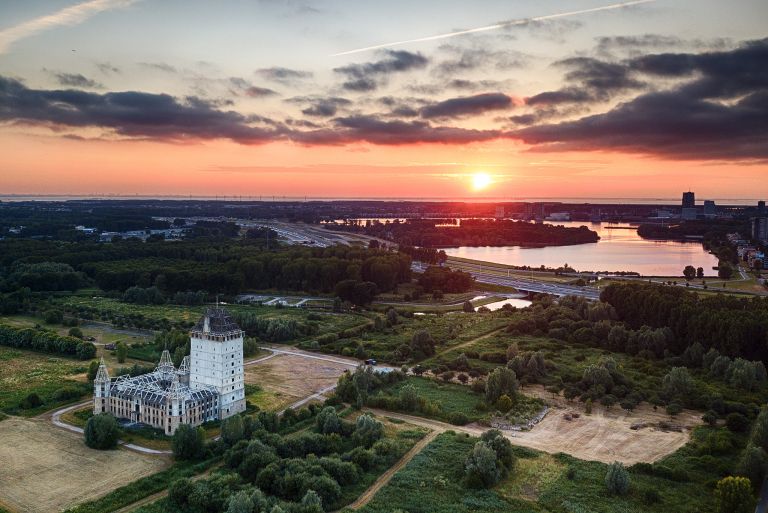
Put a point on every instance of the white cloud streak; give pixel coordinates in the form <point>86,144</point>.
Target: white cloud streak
<point>497,26</point>
<point>71,15</point>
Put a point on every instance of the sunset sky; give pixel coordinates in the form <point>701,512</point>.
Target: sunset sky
<point>249,97</point>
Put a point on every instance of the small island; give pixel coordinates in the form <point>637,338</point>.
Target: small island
<point>442,233</point>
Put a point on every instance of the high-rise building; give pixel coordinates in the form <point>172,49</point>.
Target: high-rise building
<point>710,210</point>
<point>689,200</point>
<point>760,229</point>
<point>216,360</point>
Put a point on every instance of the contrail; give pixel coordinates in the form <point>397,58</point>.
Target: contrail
<point>503,24</point>
<point>71,15</point>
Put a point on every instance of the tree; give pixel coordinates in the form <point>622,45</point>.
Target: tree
<point>480,468</point>
<point>760,431</point>
<point>502,381</point>
<point>699,272</point>
<point>178,492</point>
<point>75,332</point>
<point>504,404</point>
<point>422,344</point>
<point>734,495</point>
<point>689,272</point>
<point>467,307</point>
<point>328,421</point>
<point>367,430</point>
<point>409,397</point>
<point>232,430</point>
<point>505,457</point>
<point>122,352</point>
<point>188,442</point>
<point>724,270</point>
<point>736,422</point>
<point>617,479</point>
<point>678,384</point>
<point>312,502</point>
<point>240,503</point>
<point>101,432</point>
<point>392,317</point>
<point>753,465</point>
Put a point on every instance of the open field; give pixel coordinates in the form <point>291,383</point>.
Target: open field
<point>49,469</point>
<point>606,436</point>
<point>286,378</point>
<point>23,372</point>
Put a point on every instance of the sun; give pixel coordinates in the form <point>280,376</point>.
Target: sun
<point>480,181</point>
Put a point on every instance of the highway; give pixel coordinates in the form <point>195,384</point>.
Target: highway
<point>528,285</point>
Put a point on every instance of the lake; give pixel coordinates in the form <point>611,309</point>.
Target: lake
<point>620,248</point>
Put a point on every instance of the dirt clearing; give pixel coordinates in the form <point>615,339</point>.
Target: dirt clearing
<point>287,378</point>
<point>48,469</point>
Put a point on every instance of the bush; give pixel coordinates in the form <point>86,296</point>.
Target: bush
<point>617,479</point>
<point>67,394</point>
<point>75,332</point>
<point>31,401</point>
<point>651,496</point>
<point>53,316</point>
<point>101,432</point>
<point>737,422</point>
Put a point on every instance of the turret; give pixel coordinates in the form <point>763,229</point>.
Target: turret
<point>101,388</point>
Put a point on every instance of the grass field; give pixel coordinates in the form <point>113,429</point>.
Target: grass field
<point>25,372</point>
<point>447,330</point>
<point>448,397</point>
<point>432,483</point>
<point>49,469</point>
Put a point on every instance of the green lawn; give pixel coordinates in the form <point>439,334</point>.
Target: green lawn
<point>450,397</point>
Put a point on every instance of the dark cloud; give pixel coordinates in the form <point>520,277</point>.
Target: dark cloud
<point>325,107</point>
<point>75,80</point>
<point>131,114</point>
<point>719,111</point>
<point>467,105</point>
<point>373,130</point>
<point>161,66</point>
<point>283,75</point>
<point>593,81</point>
<point>368,76</point>
<point>107,68</point>
<point>469,59</point>
<point>635,44</point>
<point>245,88</point>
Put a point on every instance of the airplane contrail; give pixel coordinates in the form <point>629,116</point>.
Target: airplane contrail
<point>71,15</point>
<point>503,24</point>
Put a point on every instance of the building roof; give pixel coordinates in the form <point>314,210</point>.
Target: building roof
<point>216,321</point>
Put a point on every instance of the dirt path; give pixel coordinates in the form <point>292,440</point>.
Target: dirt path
<point>383,479</point>
<point>470,342</point>
<point>159,495</point>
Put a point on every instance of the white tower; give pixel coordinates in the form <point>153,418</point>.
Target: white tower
<point>216,359</point>
<point>101,389</point>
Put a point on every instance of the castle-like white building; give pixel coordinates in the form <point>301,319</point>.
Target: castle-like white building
<point>208,385</point>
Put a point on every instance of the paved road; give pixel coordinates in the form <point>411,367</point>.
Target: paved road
<point>528,285</point>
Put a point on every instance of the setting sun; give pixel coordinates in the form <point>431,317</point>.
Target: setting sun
<point>480,181</point>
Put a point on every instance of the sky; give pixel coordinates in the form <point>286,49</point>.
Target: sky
<point>557,98</point>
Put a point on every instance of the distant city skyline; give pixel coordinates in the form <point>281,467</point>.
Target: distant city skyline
<point>339,99</point>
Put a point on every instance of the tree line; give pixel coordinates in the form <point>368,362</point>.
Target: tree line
<point>736,327</point>
<point>45,342</point>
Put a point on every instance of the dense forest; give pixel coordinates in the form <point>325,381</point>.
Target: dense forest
<point>475,232</point>
<point>733,326</point>
<point>155,272</point>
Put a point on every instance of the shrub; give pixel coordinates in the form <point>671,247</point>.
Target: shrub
<point>66,394</point>
<point>651,496</point>
<point>31,401</point>
<point>617,479</point>
<point>502,381</point>
<point>101,432</point>
<point>75,332</point>
<point>178,492</point>
<point>710,417</point>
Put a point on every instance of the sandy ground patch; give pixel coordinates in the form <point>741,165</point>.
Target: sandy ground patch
<point>605,435</point>
<point>48,469</point>
<point>290,377</point>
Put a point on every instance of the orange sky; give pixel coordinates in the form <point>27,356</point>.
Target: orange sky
<point>52,165</point>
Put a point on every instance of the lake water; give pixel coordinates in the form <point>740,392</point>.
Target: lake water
<point>619,249</point>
